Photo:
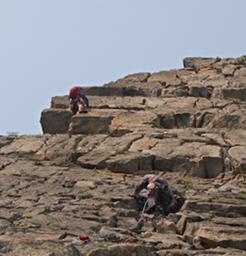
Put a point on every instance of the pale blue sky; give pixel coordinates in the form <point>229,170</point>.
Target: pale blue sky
<point>47,45</point>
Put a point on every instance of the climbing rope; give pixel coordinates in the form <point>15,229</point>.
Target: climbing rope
<point>142,213</point>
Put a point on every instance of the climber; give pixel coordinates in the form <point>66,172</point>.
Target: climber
<point>160,199</point>
<point>78,101</point>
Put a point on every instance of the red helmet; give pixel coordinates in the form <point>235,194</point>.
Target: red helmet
<point>74,90</point>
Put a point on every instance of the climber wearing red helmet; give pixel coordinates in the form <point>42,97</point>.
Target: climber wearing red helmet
<point>74,91</point>
<point>78,101</point>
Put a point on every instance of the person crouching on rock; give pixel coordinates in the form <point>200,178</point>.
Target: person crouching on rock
<point>160,200</point>
<point>78,101</point>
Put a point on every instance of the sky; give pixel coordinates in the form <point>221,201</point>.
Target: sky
<point>48,45</point>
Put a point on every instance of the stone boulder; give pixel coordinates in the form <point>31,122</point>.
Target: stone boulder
<point>122,250</point>
<point>94,122</point>
<point>234,93</point>
<point>212,235</point>
<point>130,162</point>
<point>95,151</point>
<point>103,91</point>
<point>55,121</point>
<point>137,77</point>
<point>128,121</point>
<point>240,76</point>
<point>196,158</point>
<point>85,124</point>
<point>238,158</point>
<point>23,146</point>
<point>165,78</point>
<point>199,62</point>
<point>60,102</point>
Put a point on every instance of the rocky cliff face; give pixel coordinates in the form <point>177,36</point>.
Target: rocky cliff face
<point>189,124</point>
<point>191,120</point>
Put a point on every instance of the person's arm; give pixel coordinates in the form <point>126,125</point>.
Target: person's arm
<point>139,187</point>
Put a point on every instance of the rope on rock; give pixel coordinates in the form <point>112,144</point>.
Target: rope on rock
<point>141,215</point>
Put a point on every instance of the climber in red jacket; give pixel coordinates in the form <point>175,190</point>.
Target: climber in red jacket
<point>78,101</point>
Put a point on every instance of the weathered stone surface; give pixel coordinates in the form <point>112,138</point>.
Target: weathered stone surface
<point>128,103</point>
<point>186,124</point>
<point>99,102</point>
<point>240,75</point>
<point>138,77</point>
<point>196,158</point>
<point>215,83</point>
<point>165,78</point>
<point>60,102</point>
<point>210,78</point>
<point>5,140</point>
<point>238,156</point>
<point>211,236</point>
<point>230,116</point>
<point>220,208</point>
<point>96,154</point>
<point>234,93</point>
<point>199,91</point>
<point>199,62</point>
<point>236,137</point>
<point>55,120</point>
<point>25,145</point>
<point>126,122</point>
<point>59,148</point>
<point>229,70</point>
<point>206,252</point>
<point>46,200</point>
<point>166,241</point>
<point>122,250</point>
<point>131,162</point>
<point>91,123</point>
<point>103,91</point>
<point>5,161</point>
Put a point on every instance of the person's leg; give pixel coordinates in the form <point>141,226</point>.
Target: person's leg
<point>151,205</point>
<point>85,102</point>
<point>73,106</point>
<point>176,204</point>
<point>140,203</point>
<point>80,106</point>
<point>163,202</point>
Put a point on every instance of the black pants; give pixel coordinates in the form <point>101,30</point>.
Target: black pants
<point>74,104</point>
<point>161,206</point>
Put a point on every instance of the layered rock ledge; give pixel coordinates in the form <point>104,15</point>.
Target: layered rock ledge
<point>191,119</point>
